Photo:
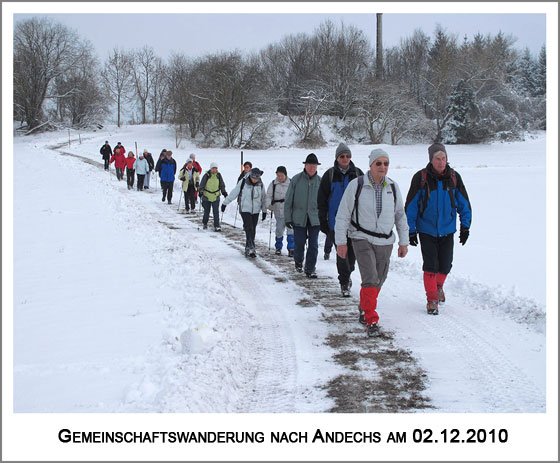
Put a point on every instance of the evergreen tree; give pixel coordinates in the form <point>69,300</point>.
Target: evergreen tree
<point>461,127</point>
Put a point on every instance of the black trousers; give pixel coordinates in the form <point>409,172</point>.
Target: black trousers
<point>167,188</point>
<point>250,222</point>
<point>206,205</point>
<point>119,172</point>
<point>106,162</point>
<point>437,253</point>
<point>130,177</point>
<point>140,181</point>
<point>345,266</point>
<point>190,197</point>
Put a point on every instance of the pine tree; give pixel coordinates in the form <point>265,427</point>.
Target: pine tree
<point>460,127</point>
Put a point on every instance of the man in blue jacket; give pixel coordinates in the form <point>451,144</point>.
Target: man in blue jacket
<point>167,169</point>
<point>436,195</point>
<point>333,183</point>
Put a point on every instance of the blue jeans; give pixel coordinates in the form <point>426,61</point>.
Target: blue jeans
<point>301,236</point>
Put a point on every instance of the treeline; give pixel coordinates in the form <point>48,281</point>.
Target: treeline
<point>432,89</point>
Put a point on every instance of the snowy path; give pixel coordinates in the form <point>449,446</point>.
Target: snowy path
<point>187,324</point>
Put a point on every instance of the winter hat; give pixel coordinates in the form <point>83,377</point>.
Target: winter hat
<point>192,156</point>
<point>189,160</point>
<point>311,159</point>
<point>376,154</point>
<point>342,148</point>
<point>106,141</point>
<point>435,148</point>
<point>145,150</point>
<point>255,172</point>
<point>282,169</point>
<point>214,164</point>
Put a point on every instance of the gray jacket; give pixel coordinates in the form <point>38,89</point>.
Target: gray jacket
<point>392,214</point>
<point>301,200</point>
<point>253,196</point>
<point>280,190</point>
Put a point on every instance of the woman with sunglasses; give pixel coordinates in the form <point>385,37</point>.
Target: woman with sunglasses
<point>370,207</point>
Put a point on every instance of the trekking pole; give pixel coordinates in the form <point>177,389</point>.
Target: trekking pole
<point>136,146</point>
<point>180,197</point>
<point>235,221</point>
<point>270,231</point>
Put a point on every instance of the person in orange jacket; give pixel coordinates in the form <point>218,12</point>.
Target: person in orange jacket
<point>119,159</point>
<point>130,160</point>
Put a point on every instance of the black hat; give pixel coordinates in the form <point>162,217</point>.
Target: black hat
<point>255,172</point>
<point>311,159</point>
<point>435,148</point>
<point>282,169</point>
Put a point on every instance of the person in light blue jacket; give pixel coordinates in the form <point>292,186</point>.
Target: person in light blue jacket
<point>142,168</point>
<point>253,201</point>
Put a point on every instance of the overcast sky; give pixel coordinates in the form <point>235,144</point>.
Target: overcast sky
<point>200,34</point>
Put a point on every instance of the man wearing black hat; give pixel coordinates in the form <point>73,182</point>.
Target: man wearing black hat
<point>334,182</point>
<point>106,153</point>
<point>301,214</point>
<point>436,195</point>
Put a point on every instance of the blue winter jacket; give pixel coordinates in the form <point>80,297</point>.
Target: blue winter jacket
<point>168,169</point>
<point>432,208</point>
<point>333,184</point>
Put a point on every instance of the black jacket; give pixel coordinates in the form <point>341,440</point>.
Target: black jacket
<point>106,151</point>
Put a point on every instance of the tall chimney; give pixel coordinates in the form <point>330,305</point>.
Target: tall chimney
<point>379,48</point>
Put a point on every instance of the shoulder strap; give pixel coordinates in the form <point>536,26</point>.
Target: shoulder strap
<point>357,222</point>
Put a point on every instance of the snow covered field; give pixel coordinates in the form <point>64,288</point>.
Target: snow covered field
<point>117,310</point>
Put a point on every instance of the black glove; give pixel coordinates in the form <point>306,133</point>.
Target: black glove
<point>264,215</point>
<point>413,239</point>
<point>223,207</point>
<point>463,235</point>
<point>290,225</point>
<point>225,195</point>
<point>324,227</point>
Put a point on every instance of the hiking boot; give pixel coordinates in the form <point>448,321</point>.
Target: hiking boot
<point>247,252</point>
<point>311,274</point>
<point>290,253</point>
<point>163,199</point>
<point>278,252</point>
<point>345,289</point>
<point>204,226</point>
<point>432,307</point>
<point>327,255</point>
<point>372,330</point>
<point>362,317</point>
<point>218,229</point>
<point>299,267</point>
<point>252,253</point>
<point>441,295</point>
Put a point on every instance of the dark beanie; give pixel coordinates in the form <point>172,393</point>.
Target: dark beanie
<point>283,170</point>
<point>434,149</point>
<point>255,172</point>
<point>342,148</point>
<point>311,159</point>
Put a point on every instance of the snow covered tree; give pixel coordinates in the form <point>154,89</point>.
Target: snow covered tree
<point>43,51</point>
<point>460,126</point>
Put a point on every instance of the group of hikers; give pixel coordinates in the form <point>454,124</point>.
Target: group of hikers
<point>356,211</point>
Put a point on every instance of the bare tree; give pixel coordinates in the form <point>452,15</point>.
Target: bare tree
<point>43,50</point>
<point>143,70</point>
<point>117,78</point>
<point>159,100</point>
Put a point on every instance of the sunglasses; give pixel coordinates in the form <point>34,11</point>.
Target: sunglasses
<point>382,163</point>
<point>345,156</point>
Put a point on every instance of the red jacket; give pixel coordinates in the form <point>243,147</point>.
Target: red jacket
<point>130,162</point>
<point>120,160</point>
<point>197,166</point>
<point>121,149</point>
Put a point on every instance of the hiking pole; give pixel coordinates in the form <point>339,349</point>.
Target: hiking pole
<point>270,231</point>
<point>180,197</point>
<point>136,146</point>
<point>235,221</point>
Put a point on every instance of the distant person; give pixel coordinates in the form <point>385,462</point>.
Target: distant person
<point>210,188</point>
<point>158,166</point>
<point>253,202</point>
<point>168,170</point>
<point>301,214</point>
<point>247,166</point>
<point>106,153</point>
<point>150,160</point>
<point>437,193</point>
<point>370,207</point>
<point>275,197</point>
<point>142,169</point>
<point>196,164</point>
<point>130,160</point>
<point>333,184</point>
<point>191,181</point>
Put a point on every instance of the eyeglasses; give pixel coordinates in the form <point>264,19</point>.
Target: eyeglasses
<point>382,163</point>
<point>345,156</point>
